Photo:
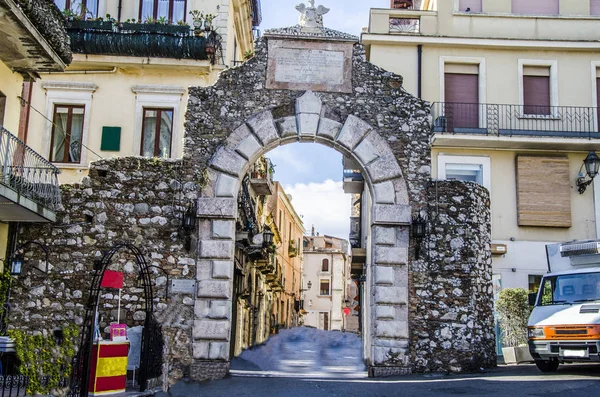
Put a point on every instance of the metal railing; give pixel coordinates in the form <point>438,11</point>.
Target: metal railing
<point>27,172</point>
<point>509,120</point>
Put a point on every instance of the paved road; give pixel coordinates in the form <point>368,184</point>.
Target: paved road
<point>509,381</point>
<point>303,362</point>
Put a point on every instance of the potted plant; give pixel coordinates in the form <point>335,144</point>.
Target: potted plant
<point>197,21</point>
<point>208,18</point>
<point>513,311</point>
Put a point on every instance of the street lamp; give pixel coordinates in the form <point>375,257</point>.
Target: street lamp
<point>16,265</point>
<point>189,224</point>
<point>592,165</point>
<point>267,237</point>
<point>418,231</point>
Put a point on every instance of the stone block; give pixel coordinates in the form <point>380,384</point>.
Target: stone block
<point>249,147</point>
<point>217,208</point>
<point>384,275</point>
<point>204,270</point>
<point>217,249</point>
<point>383,355</point>
<point>223,229</point>
<point>228,161</point>
<point>391,214</point>
<point>238,135</point>
<point>391,255</point>
<point>352,132</point>
<point>211,330</point>
<point>384,235</point>
<point>200,350</point>
<point>309,103</point>
<point>329,128</point>
<point>263,126</point>
<point>384,193</point>
<point>366,152</point>
<point>308,124</point>
<point>391,329</point>
<point>220,310</point>
<point>227,186</point>
<point>219,351</point>
<point>391,295</point>
<point>384,312</point>
<point>222,270</point>
<point>384,168</point>
<point>215,289</point>
<point>287,126</point>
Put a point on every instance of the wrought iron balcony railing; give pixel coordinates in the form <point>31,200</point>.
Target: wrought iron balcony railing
<point>509,120</point>
<point>28,173</point>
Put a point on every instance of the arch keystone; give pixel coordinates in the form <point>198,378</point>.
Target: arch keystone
<point>308,111</point>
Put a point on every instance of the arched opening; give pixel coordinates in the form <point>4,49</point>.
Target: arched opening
<point>386,212</point>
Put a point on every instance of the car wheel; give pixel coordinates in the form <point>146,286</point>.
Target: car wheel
<point>547,365</point>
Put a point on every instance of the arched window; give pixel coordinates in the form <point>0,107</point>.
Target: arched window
<point>325,265</point>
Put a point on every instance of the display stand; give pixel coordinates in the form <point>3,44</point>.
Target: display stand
<point>108,372</point>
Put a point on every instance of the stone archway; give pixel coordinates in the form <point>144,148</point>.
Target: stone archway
<point>386,333</point>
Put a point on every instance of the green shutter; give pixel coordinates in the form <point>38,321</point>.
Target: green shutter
<point>111,139</point>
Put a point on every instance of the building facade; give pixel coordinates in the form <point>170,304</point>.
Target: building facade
<point>125,93</point>
<point>514,86</point>
<point>33,43</point>
<point>325,279</point>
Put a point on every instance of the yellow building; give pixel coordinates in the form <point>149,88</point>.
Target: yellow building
<point>125,93</point>
<point>288,256</point>
<point>515,88</point>
<point>32,43</point>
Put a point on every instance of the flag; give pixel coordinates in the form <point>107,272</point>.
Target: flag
<point>112,279</point>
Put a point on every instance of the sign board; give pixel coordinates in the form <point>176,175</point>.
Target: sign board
<point>183,287</point>
<point>309,65</point>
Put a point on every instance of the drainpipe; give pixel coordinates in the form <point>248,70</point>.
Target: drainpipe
<point>119,10</point>
<point>419,67</point>
<point>25,109</point>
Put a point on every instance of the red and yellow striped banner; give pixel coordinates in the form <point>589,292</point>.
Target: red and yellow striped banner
<point>108,372</point>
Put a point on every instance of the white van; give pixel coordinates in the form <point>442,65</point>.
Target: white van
<point>564,326</point>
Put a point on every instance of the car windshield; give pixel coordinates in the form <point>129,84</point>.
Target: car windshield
<point>569,289</point>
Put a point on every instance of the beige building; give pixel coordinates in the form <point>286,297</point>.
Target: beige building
<point>32,43</point>
<point>515,88</point>
<point>125,93</point>
<point>326,282</point>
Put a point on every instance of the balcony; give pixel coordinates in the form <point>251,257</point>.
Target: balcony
<point>142,40</point>
<point>29,189</point>
<point>511,123</point>
<point>261,177</point>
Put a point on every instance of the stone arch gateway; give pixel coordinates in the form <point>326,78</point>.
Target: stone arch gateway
<point>315,85</point>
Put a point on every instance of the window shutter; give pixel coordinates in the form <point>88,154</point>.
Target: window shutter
<point>594,7</point>
<point>536,95</point>
<point>474,5</point>
<point>535,7</point>
<point>461,100</point>
<point>543,191</point>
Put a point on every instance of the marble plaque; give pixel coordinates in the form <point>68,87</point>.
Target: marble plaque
<point>309,65</point>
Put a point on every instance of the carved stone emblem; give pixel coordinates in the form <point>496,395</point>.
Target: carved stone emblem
<point>311,17</point>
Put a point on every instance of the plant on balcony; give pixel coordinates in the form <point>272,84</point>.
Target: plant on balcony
<point>208,18</point>
<point>248,54</point>
<point>197,21</point>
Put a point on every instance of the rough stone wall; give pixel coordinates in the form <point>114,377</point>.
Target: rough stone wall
<point>133,200</point>
<point>451,294</point>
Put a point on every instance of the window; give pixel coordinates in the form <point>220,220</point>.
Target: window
<point>461,90</point>
<point>324,290</point>
<point>469,5</point>
<point>279,220</point>
<point>157,133</point>
<point>324,321</point>
<point>594,7</point>
<point>535,7</point>
<point>2,107</point>
<point>536,90</point>
<point>84,8</point>
<point>534,282</point>
<point>67,133</point>
<point>465,168</point>
<point>172,10</point>
<point>325,265</point>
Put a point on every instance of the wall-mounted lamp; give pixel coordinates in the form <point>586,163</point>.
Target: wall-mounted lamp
<point>188,223</point>
<point>592,164</point>
<point>308,285</point>
<point>17,259</point>
<point>267,237</point>
<point>418,231</point>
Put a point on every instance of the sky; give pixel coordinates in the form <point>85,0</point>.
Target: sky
<point>310,172</point>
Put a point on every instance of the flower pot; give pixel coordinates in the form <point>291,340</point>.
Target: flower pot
<point>516,355</point>
<point>210,49</point>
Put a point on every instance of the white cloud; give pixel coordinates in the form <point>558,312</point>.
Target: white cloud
<point>324,205</point>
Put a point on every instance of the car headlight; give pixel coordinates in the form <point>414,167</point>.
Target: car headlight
<point>535,333</point>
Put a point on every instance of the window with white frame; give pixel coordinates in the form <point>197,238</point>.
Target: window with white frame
<point>68,111</point>
<point>538,86</point>
<point>465,168</point>
<point>171,10</point>
<point>469,5</point>
<point>82,8</point>
<point>157,132</point>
